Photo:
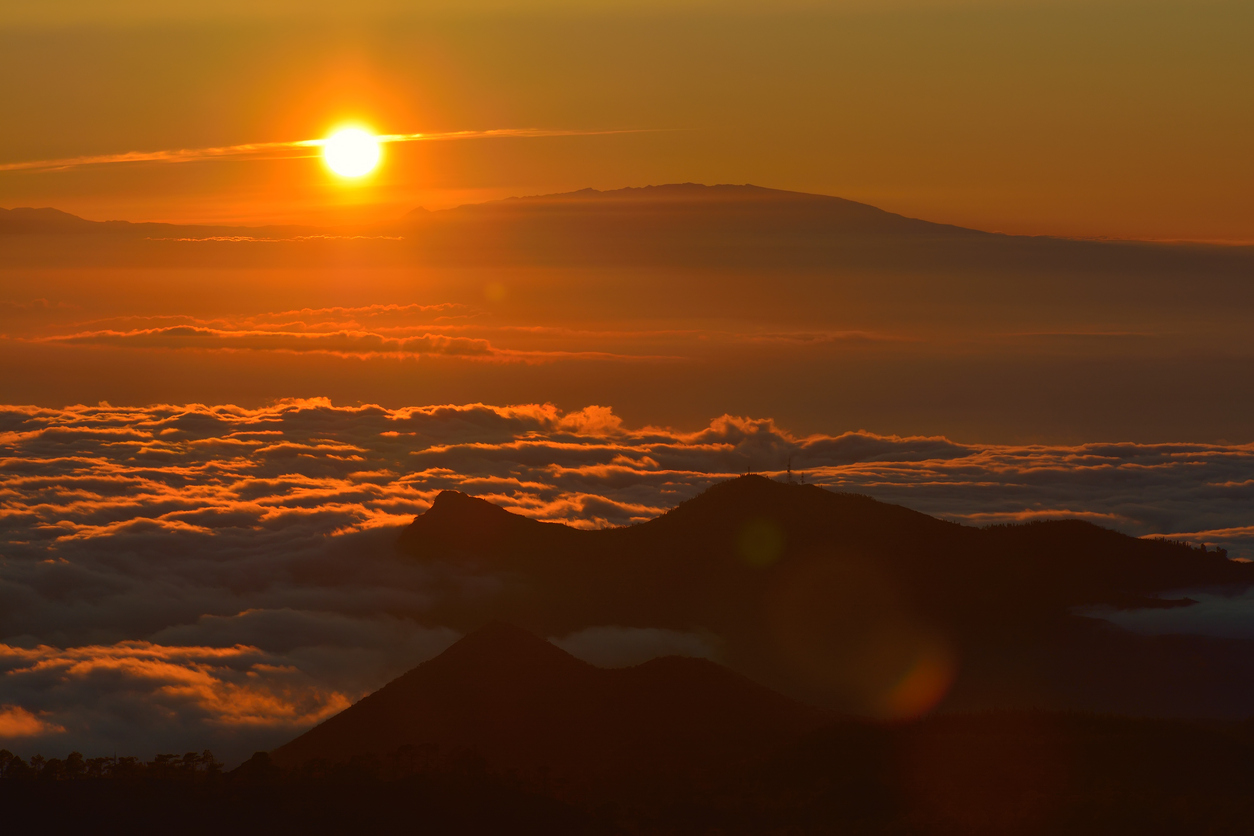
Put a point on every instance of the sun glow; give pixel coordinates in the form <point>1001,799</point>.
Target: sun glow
<point>351,152</point>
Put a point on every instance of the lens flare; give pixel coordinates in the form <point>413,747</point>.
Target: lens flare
<point>845,629</point>
<point>351,152</point>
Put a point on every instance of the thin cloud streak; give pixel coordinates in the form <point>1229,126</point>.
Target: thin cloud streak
<point>249,239</point>
<point>399,332</point>
<point>287,150</point>
<point>343,342</point>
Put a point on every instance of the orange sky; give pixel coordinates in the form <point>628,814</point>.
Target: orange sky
<point>1110,118</point>
<point>209,439</point>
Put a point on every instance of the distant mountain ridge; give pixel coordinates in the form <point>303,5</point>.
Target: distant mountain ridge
<point>730,203</point>
<point>49,221</point>
<point>29,220</point>
<point>736,228</point>
<point>803,587</point>
<point>685,196</point>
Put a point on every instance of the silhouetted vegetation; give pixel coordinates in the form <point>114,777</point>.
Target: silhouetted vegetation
<point>993,773</point>
<point>192,795</point>
<point>189,767</point>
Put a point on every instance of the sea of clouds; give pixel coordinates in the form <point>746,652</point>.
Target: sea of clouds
<point>177,577</point>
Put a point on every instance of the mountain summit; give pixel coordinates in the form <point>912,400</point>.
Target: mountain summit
<point>859,605</point>
<point>741,532</point>
<point>518,701</point>
<point>722,204</point>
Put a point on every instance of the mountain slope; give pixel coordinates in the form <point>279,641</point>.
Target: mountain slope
<point>859,605</point>
<point>739,532</point>
<point>742,227</point>
<point>520,702</point>
<point>726,207</point>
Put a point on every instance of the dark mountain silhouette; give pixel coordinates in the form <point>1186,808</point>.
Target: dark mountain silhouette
<point>506,733</point>
<point>810,590</point>
<point>1013,573</point>
<point>517,701</point>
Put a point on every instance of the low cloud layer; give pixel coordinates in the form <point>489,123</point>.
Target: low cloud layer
<point>396,332</point>
<point>175,577</point>
<point>341,343</point>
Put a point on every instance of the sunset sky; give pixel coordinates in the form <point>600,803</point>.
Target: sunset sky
<point>1112,118</point>
<point>556,290</point>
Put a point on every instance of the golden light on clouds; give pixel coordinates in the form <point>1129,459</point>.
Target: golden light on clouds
<point>351,152</point>
<point>16,721</point>
<point>344,140</point>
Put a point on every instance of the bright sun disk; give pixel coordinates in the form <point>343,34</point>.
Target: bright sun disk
<point>351,152</point>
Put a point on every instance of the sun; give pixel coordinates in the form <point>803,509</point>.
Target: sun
<point>351,152</point>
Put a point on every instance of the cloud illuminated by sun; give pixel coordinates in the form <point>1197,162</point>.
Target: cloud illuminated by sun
<point>351,152</point>
<point>293,149</point>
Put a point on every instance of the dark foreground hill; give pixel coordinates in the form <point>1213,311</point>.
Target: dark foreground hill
<point>855,604</point>
<point>998,773</point>
<point>685,746</point>
<point>505,733</point>
<point>518,702</point>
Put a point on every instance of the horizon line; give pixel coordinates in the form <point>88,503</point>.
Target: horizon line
<point>455,135</point>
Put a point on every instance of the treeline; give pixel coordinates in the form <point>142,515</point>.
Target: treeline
<point>74,767</point>
<point>1022,773</point>
<point>1199,548</point>
<point>194,796</point>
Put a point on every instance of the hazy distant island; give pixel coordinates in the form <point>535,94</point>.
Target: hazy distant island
<point>795,305</point>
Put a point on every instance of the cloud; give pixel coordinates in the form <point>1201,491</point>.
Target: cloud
<point>16,721</point>
<point>339,343</point>
<point>289,149</point>
<point>222,683</point>
<point>391,331</point>
<point>1214,613</point>
<point>246,239</point>
<point>212,575</point>
<point>338,318</point>
<point>354,654</point>
<point>21,13</point>
<point>104,694</point>
<point>455,332</point>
